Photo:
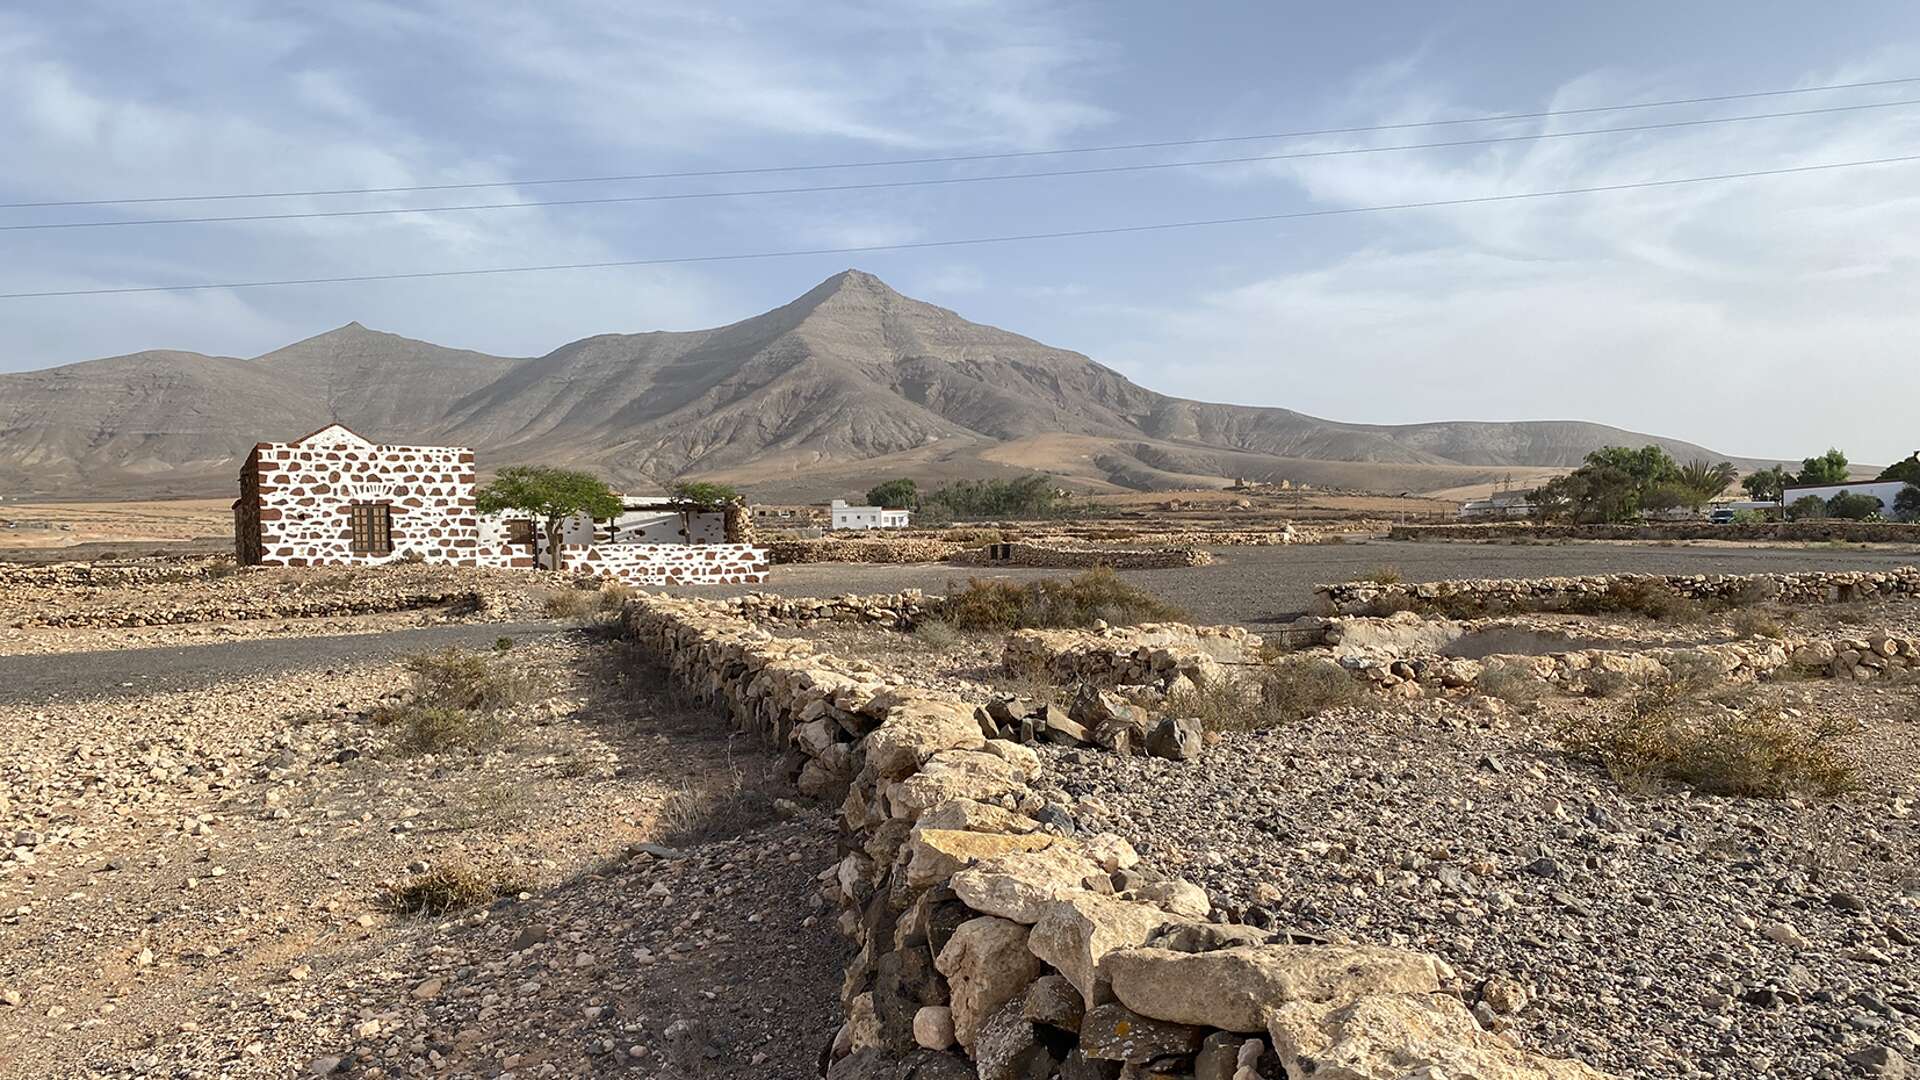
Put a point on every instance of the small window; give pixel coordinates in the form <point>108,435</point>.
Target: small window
<point>372,529</point>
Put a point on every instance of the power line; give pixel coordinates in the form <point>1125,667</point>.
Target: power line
<point>944,180</point>
<point>977,240</point>
<point>959,158</point>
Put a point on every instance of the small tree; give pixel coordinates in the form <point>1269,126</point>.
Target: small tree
<point>1807,508</point>
<point>692,497</point>
<point>551,495</point>
<point>1908,470</point>
<point>1853,507</point>
<point>901,494</point>
<point>1767,484</point>
<point>1906,505</point>
<point>1828,468</point>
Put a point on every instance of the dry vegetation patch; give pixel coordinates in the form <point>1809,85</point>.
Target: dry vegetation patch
<point>1098,595</point>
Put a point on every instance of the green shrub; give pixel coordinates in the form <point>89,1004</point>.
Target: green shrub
<point>1097,595</point>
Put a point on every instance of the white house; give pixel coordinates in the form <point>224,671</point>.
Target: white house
<point>867,517</point>
<point>1884,490</point>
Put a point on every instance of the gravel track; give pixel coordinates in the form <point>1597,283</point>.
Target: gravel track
<point>121,672</point>
<point>1256,586</point>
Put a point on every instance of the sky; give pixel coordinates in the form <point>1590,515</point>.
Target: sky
<point>1767,317</point>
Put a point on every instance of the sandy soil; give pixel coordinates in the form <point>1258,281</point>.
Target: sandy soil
<point>65,524</point>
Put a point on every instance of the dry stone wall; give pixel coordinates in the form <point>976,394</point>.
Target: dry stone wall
<point>1851,532</point>
<point>1079,557</point>
<point>1152,653</point>
<point>900,611</point>
<point>1562,593</point>
<point>994,946</point>
<point>878,550</point>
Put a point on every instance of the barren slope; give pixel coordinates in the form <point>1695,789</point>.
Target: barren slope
<point>848,380</point>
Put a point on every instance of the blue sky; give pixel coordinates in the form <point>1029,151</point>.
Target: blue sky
<point>1766,317</point>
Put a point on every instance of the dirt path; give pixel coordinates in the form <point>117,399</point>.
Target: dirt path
<point>198,885</point>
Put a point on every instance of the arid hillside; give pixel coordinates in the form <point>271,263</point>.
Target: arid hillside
<point>849,380</point>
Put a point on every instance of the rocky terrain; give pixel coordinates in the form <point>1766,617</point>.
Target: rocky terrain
<point>814,398</point>
<point>1654,933</point>
<point>201,884</point>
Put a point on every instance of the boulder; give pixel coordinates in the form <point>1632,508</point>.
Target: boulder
<point>933,1027</point>
<point>1079,931</point>
<point>1053,1001</point>
<point>971,815</point>
<point>1177,896</point>
<point>1009,1048</point>
<point>954,774</point>
<point>1234,988</point>
<point>1113,1032</point>
<point>1175,739</point>
<point>1019,886</point>
<point>987,964</point>
<point>1397,1035</point>
<point>937,854</point>
<point>915,730</point>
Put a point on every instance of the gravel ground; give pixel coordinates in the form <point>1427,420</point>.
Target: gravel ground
<point>1256,586</point>
<point>193,884</point>
<point>133,671</point>
<point>1664,934</point>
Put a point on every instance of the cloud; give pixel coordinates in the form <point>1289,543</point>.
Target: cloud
<point>109,101</point>
<point>1760,317</point>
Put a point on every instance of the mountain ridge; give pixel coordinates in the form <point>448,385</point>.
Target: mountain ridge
<point>848,378</point>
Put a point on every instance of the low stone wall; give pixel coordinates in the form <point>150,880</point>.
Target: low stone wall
<point>874,550</point>
<point>1874,656</point>
<point>669,564</point>
<point>1563,593</point>
<point>1288,534</point>
<point>901,610</point>
<point>1079,557</point>
<point>75,575</point>
<point>1153,653</point>
<point>1851,532</point>
<point>994,946</point>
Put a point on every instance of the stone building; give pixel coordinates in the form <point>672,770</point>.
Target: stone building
<point>334,498</point>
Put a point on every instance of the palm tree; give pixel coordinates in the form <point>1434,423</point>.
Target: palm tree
<point>1706,481</point>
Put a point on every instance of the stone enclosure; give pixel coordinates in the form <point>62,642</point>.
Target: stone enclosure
<point>995,943</point>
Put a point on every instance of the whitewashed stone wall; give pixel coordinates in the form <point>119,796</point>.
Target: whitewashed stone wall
<point>670,564</point>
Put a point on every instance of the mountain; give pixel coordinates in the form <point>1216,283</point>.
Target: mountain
<point>849,382</point>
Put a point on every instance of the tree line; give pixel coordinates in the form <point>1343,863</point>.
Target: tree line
<point>1618,484</point>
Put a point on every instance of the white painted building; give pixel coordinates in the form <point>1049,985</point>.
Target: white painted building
<point>867,517</point>
<point>1884,490</point>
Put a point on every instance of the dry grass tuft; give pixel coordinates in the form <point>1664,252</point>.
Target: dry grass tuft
<point>937,635</point>
<point>1512,683</point>
<point>714,811</point>
<point>1384,574</point>
<point>459,701</point>
<point>449,888</point>
<point>1097,595</point>
<point>1750,622</point>
<point>1668,732</point>
<point>1268,695</point>
<point>569,604</point>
